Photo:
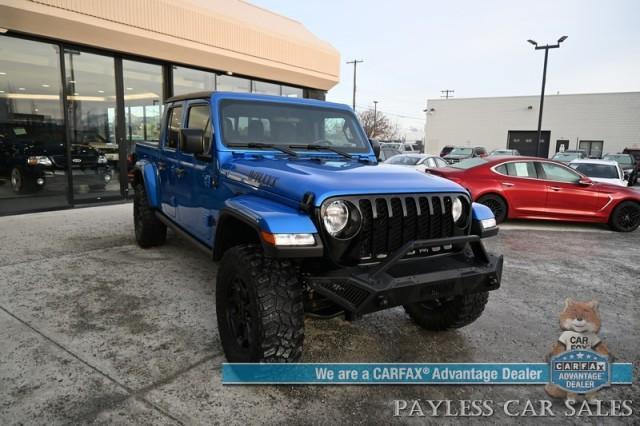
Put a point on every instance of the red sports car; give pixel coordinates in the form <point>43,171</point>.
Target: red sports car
<point>537,188</point>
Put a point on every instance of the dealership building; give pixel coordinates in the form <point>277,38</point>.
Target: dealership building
<point>598,123</point>
<point>82,81</point>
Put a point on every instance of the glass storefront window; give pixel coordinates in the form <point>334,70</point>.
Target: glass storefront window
<point>142,102</point>
<point>91,103</point>
<point>229,83</point>
<point>292,92</point>
<point>32,137</point>
<point>189,80</point>
<point>265,88</point>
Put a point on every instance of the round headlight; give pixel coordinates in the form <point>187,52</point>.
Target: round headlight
<point>335,217</point>
<point>456,209</point>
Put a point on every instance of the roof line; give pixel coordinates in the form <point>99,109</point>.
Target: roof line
<point>536,96</point>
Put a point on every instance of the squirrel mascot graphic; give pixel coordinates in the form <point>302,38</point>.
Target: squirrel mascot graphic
<point>580,324</point>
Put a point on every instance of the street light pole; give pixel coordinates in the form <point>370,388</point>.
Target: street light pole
<point>544,81</point>
<point>375,117</point>
<point>355,63</point>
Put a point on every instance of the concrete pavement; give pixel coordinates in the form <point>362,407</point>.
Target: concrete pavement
<point>95,330</point>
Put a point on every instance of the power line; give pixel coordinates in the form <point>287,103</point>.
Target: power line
<point>396,114</point>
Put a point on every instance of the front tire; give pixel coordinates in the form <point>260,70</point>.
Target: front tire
<point>20,184</point>
<point>456,312</point>
<point>497,205</point>
<point>150,232</point>
<point>259,307</point>
<point>625,217</point>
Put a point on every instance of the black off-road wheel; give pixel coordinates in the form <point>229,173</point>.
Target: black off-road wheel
<point>625,217</point>
<point>497,204</point>
<point>259,307</point>
<point>20,184</point>
<point>443,314</point>
<point>150,232</point>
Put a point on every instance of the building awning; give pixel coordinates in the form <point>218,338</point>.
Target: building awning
<point>226,35</point>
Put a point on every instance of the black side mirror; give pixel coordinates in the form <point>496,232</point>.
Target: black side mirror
<point>376,147</point>
<point>192,141</point>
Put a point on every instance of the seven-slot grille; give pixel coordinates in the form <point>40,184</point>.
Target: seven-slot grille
<point>392,221</point>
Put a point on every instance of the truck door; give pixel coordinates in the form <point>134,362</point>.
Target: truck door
<point>168,161</point>
<point>195,179</point>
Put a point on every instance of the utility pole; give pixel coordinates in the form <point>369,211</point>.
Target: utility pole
<point>355,63</point>
<point>544,81</point>
<point>447,93</point>
<point>375,118</point>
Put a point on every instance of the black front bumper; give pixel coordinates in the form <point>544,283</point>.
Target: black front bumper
<point>399,281</point>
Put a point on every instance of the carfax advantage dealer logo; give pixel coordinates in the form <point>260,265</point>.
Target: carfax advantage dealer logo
<point>580,371</point>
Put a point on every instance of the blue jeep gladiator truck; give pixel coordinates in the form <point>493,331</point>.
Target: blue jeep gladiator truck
<point>287,194</point>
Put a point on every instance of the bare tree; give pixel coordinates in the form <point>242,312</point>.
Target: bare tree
<point>378,126</point>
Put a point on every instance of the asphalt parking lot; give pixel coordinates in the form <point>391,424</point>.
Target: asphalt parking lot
<point>94,329</point>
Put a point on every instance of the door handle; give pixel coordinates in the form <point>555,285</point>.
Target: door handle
<point>179,171</point>
<point>554,188</point>
<point>507,184</point>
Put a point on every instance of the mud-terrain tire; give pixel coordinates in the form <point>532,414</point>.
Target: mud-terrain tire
<point>497,204</point>
<point>259,307</point>
<point>625,217</point>
<point>150,232</point>
<point>446,314</point>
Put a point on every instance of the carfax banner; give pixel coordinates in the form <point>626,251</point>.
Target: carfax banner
<point>577,376</point>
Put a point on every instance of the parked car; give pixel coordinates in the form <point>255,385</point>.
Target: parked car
<point>387,152</point>
<point>30,154</point>
<point>601,171</point>
<point>412,147</point>
<point>629,165</point>
<point>303,218</point>
<point>511,152</point>
<point>446,150</point>
<point>633,151</point>
<point>394,145</point>
<point>536,188</point>
<point>417,161</point>
<point>569,155</point>
<point>463,152</point>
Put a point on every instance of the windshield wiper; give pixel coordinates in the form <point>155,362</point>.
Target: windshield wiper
<point>261,145</point>
<point>316,147</point>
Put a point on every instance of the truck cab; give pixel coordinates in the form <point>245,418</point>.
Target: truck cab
<point>287,194</point>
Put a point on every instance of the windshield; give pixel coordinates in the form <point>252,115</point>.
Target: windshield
<point>461,151</point>
<point>469,163</point>
<point>603,171</point>
<point>281,124</point>
<point>621,159</point>
<point>35,134</point>
<point>405,160</point>
<point>566,156</point>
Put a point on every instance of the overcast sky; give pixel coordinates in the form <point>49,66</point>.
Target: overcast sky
<point>414,49</point>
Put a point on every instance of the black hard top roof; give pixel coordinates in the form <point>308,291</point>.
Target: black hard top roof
<point>194,95</point>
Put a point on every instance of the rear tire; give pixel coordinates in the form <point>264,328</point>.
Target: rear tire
<point>150,232</point>
<point>259,307</point>
<point>440,315</point>
<point>497,204</point>
<point>625,217</point>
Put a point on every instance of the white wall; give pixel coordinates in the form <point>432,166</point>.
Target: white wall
<point>611,117</point>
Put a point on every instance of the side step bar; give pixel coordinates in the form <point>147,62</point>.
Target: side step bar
<point>184,234</point>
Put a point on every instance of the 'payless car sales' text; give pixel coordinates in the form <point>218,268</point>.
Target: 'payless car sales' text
<point>512,408</point>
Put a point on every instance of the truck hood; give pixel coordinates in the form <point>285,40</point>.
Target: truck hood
<point>293,178</point>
